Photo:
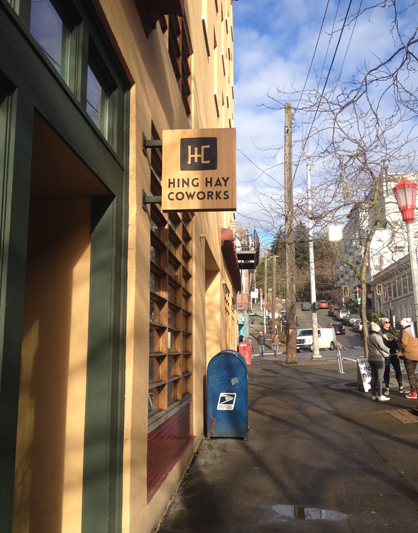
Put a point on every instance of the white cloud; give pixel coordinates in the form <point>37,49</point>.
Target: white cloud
<point>274,42</point>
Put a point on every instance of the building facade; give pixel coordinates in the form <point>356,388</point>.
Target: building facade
<point>397,298</point>
<point>110,309</point>
<point>389,243</point>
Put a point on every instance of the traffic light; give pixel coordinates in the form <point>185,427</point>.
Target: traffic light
<point>346,292</point>
<point>379,289</point>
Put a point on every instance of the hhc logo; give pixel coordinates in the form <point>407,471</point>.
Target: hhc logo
<point>200,153</point>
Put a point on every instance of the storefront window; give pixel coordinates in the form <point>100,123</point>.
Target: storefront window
<point>170,239</point>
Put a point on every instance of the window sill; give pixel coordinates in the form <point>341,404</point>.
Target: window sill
<point>159,417</point>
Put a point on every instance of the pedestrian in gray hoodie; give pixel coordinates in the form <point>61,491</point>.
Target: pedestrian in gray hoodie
<point>377,360</point>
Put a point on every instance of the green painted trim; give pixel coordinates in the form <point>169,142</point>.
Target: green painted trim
<point>123,318</point>
<point>42,90</point>
<point>105,403</point>
<point>15,210</point>
<point>101,428</point>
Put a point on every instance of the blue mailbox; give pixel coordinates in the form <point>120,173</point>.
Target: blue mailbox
<point>227,396</point>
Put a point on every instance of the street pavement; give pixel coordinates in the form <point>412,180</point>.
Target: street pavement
<point>321,457</point>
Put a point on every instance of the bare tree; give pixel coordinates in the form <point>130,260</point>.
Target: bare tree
<point>370,149</point>
<point>368,125</point>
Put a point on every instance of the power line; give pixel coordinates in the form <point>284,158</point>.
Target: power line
<point>351,36</point>
<point>316,46</point>
<point>330,38</point>
<point>325,84</point>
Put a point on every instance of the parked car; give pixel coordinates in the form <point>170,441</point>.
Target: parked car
<point>332,311</point>
<point>350,319</point>
<point>339,328</point>
<point>323,304</point>
<point>326,339</point>
<point>361,330</point>
<point>358,326</point>
<point>341,313</point>
<point>345,319</point>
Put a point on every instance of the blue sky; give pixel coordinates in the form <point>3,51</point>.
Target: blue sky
<point>274,41</point>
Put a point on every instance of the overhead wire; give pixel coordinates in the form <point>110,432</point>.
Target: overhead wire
<point>325,83</point>
<point>316,47</point>
<point>323,63</point>
<point>351,36</point>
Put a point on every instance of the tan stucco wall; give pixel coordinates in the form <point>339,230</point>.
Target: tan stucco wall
<point>50,438</point>
<point>155,99</point>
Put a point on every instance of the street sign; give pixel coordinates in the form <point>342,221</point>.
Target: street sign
<point>199,170</point>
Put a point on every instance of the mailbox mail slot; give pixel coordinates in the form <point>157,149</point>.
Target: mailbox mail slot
<point>227,396</point>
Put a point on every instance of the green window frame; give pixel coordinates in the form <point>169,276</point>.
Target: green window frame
<point>104,102</point>
<point>80,64</point>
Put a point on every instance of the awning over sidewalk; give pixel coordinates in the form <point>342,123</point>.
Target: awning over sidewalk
<point>230,256</point>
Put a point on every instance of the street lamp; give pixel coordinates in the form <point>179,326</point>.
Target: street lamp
<point>406,195</point>
<point>316,354</point>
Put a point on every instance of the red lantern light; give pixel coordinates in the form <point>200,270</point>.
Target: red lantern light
<point>406,196</point>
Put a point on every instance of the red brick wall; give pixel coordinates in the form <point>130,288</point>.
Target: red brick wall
<point>166,445</point>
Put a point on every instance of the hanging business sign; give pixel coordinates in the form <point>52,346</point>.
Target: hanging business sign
<point>199,170</point>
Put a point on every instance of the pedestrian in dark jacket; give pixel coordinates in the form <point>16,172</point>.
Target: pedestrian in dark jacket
<point>261,339</point>
<point>390,340</point>
<point>377,354</point>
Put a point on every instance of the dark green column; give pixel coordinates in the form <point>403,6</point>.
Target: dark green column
<point>14,213</point>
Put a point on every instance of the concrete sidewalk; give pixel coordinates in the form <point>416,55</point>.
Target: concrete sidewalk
<point>321,457</point>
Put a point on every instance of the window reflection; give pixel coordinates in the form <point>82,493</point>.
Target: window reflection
<point>47,28</point>
<point>151,340</point>
<point>95,95</point>
<point>150,400</point>
<point>151,311</point>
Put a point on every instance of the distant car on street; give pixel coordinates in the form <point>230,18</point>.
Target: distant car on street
<point>358,326</point>
<point>326,339</point>
<point>341,313</point>
<point>350,319</point>
<point>333,310</point>
<point>338,327</point>
<point>362,328</point>
<point>323,304</point>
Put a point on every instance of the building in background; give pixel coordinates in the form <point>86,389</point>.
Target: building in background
<point>396,296</point>
<point>389,244</point>
<point>110,309</point>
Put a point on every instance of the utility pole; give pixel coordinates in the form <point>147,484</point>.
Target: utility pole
<point>291,346</point>
<point>265,289</point>
<point>273,298</point>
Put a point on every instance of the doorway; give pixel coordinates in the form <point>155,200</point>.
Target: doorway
<point>55,340</point>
